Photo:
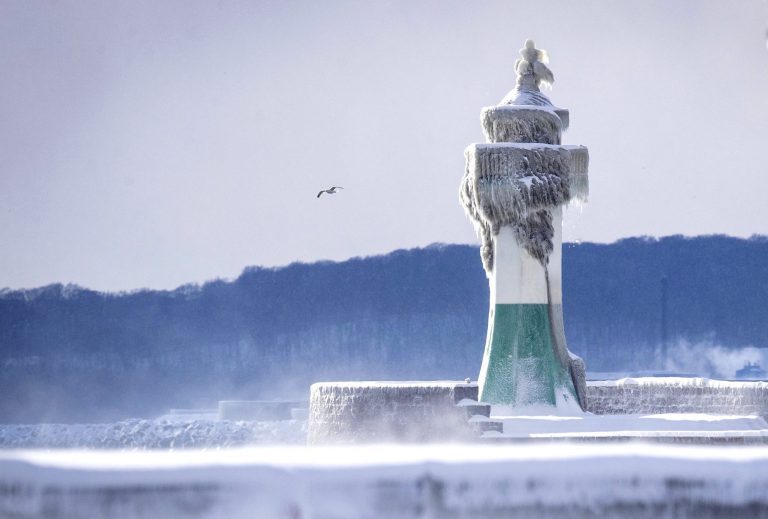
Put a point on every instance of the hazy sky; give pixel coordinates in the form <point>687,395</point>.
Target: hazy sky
<point>151,144</point>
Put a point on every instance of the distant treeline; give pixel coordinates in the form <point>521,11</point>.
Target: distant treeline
<point>68,353</point>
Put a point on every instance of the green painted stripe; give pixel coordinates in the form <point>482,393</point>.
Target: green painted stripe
<point>520,365</point>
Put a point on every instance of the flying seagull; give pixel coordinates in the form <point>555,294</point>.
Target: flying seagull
<point>331,191</point>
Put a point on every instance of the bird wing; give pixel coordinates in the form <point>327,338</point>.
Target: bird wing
<point>320,193</point>
<point>337,187</point>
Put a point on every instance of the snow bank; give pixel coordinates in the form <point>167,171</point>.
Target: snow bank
<point>542,480</point>
<point>152,434</point>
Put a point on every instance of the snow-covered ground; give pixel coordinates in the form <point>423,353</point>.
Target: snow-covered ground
<point>168,432</point>
<point>633,426</point>
<point>178,433</point>
<point>385,481</point>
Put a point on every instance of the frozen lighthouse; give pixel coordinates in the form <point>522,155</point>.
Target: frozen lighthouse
<point>513,190</point>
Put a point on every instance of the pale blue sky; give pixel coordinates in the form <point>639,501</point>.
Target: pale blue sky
<point>150,144</point>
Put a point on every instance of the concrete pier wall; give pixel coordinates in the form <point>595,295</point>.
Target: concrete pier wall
<point>367,412</point>
<point>351,412</point>
<point>677,395</point>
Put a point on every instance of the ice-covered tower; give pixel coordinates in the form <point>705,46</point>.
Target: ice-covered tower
<point>513,190</point>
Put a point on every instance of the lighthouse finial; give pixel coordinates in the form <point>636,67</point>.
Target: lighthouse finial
<point>531,68</point>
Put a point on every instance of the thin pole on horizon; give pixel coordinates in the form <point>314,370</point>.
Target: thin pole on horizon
<point>664,293</point>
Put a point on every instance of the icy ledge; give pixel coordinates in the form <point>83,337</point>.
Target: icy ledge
<point>678,382</point>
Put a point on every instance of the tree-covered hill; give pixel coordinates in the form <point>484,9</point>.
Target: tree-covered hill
<point>68,353</point>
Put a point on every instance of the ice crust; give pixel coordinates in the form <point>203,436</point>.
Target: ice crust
<point>518,185</point>
<point>521,124</point>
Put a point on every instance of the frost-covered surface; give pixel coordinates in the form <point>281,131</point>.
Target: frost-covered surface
<point>576,364</point>
<point>532,72</point>
<point>357,412</point>
<point>677,395</point>
<point>397,384</point>
<point>627,481</point>
<point>152,434</point>
<point>639,426</point>
<point>361,404</point>
<point>349,412</point>
<point>518,185</point>
<point>522,124</point>
<point>680,382</point>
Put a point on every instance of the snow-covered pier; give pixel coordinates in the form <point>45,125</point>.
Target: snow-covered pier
<point>430,412</point>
